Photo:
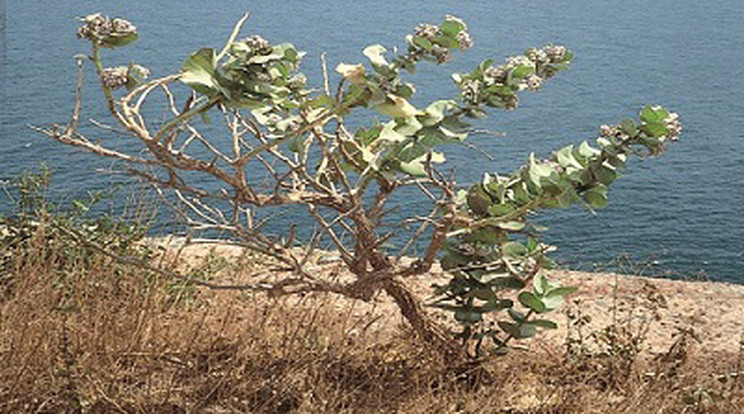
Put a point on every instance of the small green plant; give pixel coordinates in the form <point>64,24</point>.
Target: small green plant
<point>296,138</point>
<point>38,226</point>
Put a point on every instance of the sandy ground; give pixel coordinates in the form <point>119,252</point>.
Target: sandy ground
<point>714,310</point>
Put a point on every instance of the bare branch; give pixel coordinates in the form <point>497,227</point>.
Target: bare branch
<point>232,37</point>
<point>324,68</point>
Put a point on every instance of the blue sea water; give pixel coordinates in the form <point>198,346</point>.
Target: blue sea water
<point>684,211</point>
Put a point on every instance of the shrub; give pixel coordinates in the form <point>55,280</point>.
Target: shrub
<point>288,144</point>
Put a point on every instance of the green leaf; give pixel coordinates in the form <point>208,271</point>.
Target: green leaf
<point>80,205</point>
<point>553,302</point>
<point>296,144</point>
<point>498,210</point>
<point>605,173</point>
<point>566,159</point>
<point>501,90</point>
<point>482,294</point>
<point>199,72</point>
<point>352,73</point>
<point>546,262</point>
<point>554,296</point>
<point>388,133</point>
<point>405,90</point>
<point>530,300</point>
<point>522,71</point>
<point>541,285</point>
<point>655,130</point>
<point>561,291</point>
<point>396,107</point>
<point>451,28</point>
<point>649,115</point>
<point>628,126</point>
<point>435,112</point>
<point>509,327</point>
<point>423,43</point>
<point>417,167</point>
<point>117,41</point>
<point>453,260</point>
<point>514,249</point>
<point>506,282</point>
<point>540,173</point>
<point>478,200</point>
<point>527,330</point>
<point>510,225</point>
<point>375,55</point>
<point>596,196</point>
<point>509,282</point>
<point>322,101</point>
<point>544,323</point>
<point>516,315</point>
<point>467,316</point>
<point>447,42</point>
<point>587,151</point>
<point>495,304</point>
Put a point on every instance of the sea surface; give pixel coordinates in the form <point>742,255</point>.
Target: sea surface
<point>681,214</point>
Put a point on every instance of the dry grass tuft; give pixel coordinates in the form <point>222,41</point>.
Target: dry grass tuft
<point>80,333</point>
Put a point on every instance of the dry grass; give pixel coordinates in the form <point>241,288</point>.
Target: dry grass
<point>82,334</point>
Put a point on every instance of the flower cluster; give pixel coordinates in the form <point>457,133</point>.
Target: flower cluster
<point>555,53</point>
<point>657,127</point>
<point>495,75</point>
<point>470,90</point>
<point>497,85</point>
<point>253,45</point>
<point>436,43</point>
<point>674,126</point>
<point>607,131</point>
<point>463,37</point>
<point>427,31</point>
<point>123,75</point>
<point>110,32</point>
<point>465,40</point>
<point>115,77</point>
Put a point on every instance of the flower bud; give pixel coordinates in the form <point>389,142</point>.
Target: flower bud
<point>606,131</point>
<point>533,82</point>
<point>466,41</point>
<point>442,55</point>
<point>122,75</point>
<point>674,126</point>
<point>123,27</point>
<point>106,31</point>
<point>257,45</point>
<point>516,61</point>
<point>95,25</point>
<point>512,102</point>
<point>115,77</point>
<point>556,54</point>
<point>470,91</point>
<point>537,56</point>
<point>428,31</point>
<point>495,74</point>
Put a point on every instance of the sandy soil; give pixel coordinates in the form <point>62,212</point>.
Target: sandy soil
<point>714,310</point>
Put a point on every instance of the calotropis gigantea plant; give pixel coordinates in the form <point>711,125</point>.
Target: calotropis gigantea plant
<point>287,144</point>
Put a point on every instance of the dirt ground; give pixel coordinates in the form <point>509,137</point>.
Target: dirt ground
<point>714,310</point>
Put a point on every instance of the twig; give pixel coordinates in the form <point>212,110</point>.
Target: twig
<point>232,37</point>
